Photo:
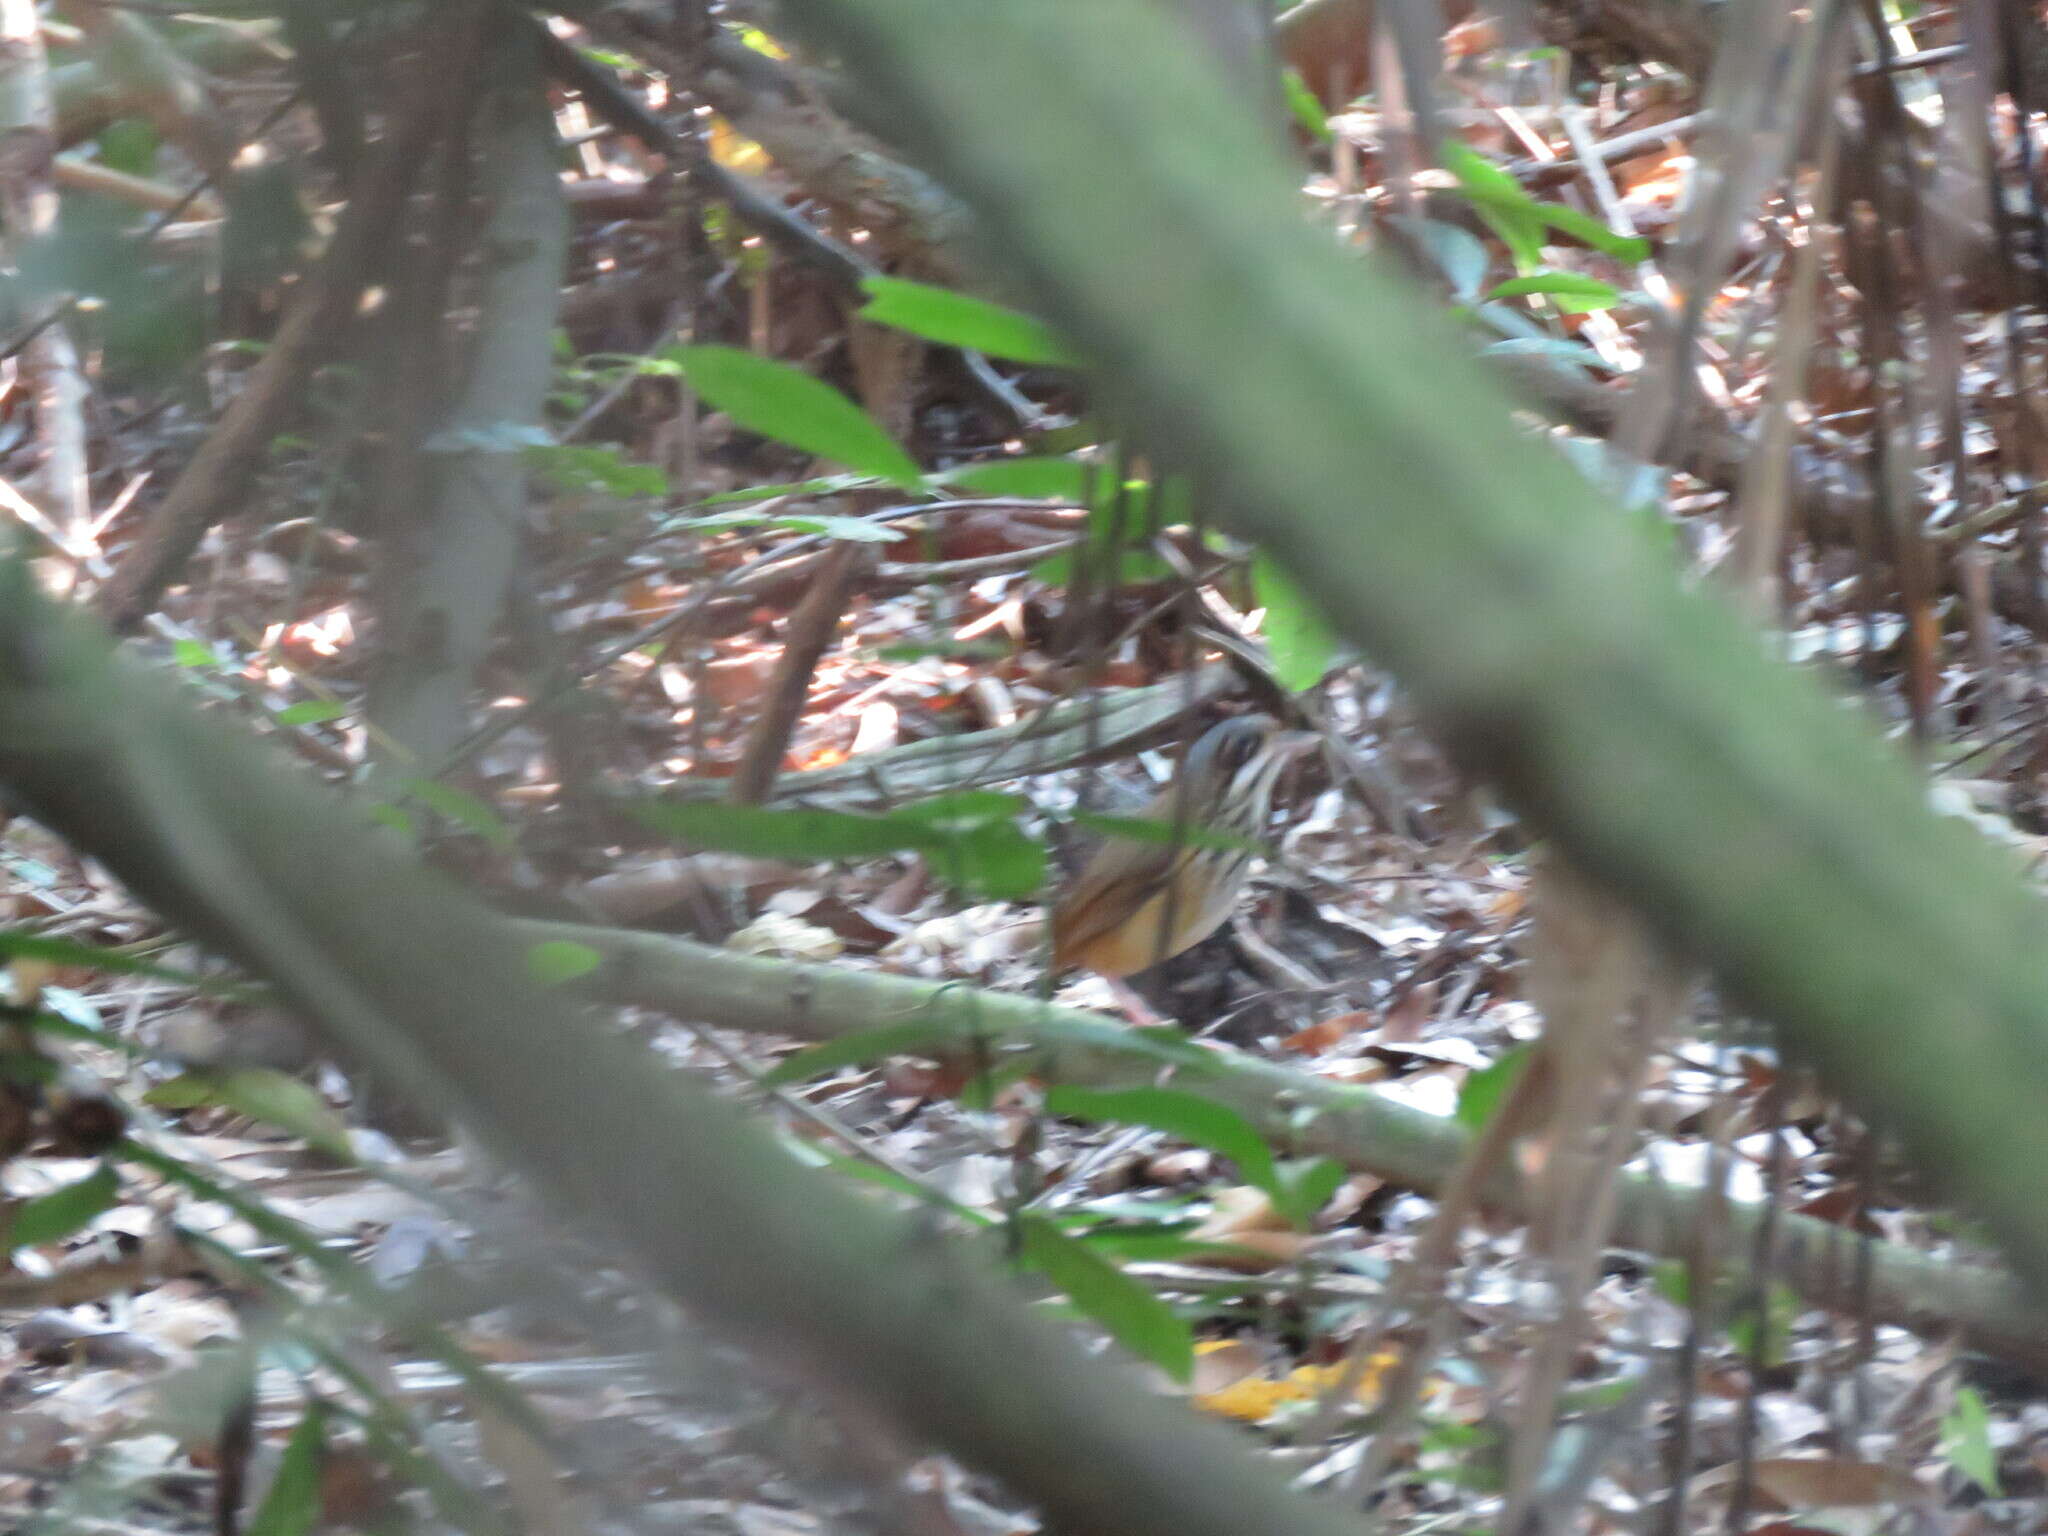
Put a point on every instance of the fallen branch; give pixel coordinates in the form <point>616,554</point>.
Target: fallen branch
<point>1070,734</point>
<point>1307,1115</point>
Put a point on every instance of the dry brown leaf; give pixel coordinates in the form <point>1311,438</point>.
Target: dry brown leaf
<point>1245,1218</point>
<point>1799,1482</point>
<point>734,680</point>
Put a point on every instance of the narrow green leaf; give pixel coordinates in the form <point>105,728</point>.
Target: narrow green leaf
<point>462,808</point>
<point>1520,220</point>
<point>820,485</point>
<point>832,527</point>
<point>554,961</point>
<point>964,810</point>
<point>1156,1244</point>
<point>292,1504</point>
<point>1188,1116</point>
<point>789,405</point>
<point>1499,200</point>
<point>396,819</point>
<point>949,650</point>
<point>888,1178</point>
<point>1584,227</point>
<point>593,468</point>
<point>972,840</point>
<point>1575,291</point>
<point>958,320</point>
<point>1302,643</point>
<point>275,1098</point>
<point>861,1047</point>
<point>1039,476</point>
<point>312,712</point>
<point>61,1212</point>
<point>1131,1314</point>
<point>1485,1088</point>
<point>31,946</point>
<point>1305,106</point>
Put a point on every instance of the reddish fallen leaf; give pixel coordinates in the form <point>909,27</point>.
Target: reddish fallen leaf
<point>738,679</point>
<point>1403,1022</point>
<point>1321,1036</point>
<point>1843,1206</point>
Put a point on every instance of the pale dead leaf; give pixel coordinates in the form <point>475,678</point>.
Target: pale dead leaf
<point>773,934</point>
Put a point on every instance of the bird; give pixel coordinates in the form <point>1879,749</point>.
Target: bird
<point>1138,902</point>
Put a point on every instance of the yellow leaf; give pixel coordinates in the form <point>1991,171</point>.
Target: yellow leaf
<point>736,152</point>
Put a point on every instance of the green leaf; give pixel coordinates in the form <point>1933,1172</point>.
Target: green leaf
<point>1306,1185</point>
<point>855,529</point>
<point>1574,292</point>
<point>1485,1088</point>
<point>1188,1116</point>
<point>462,808</point>
<point>1306,107</point>
<point>1038,476</point>
<point>1131,1314</point>
<point>195,653</point>
<point>1966,1441</point>
<point>61,1212</point>
<point>292,1504</point>
<point>819,485</point>
<point>1499,200</point>
<point>31,946</point>
<point>789,405</point>
<point>1672,1280</point>
<point>1303,645</point>
<point>957,320</point>
<point>1520,220</point>
<point>312,712</point>
<point>554,961</point>
<point>1000,861</point>
<point>861,1047</point>
<point>129,146</point>
<point>972,840</point>
<point>1584,227</point>
<point>945,649</point>
<point>889,1179</point>
<point>275,1098</point>
<point>1156,1244</point>
<point>965,810</point>
<point>588,467</point>
<point>396,819</point>
<point>1779,1312</point>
